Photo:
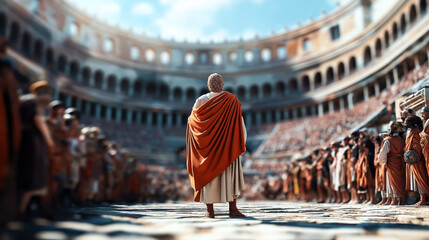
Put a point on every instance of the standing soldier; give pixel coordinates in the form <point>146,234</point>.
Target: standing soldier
<point>413,147</point>
<point>392,153</point>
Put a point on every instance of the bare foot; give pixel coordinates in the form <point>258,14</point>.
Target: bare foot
<point>236,214</point>
<point>382,201</point>
<point>209,215</point>
<point>394,202</point>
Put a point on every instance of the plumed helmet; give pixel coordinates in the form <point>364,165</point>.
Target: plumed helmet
<point>425,109</point>
<point>86,131</point>
<point>73,111</point>
<point>411,157</point>
<point>395,127</point>
<point>56,104</point>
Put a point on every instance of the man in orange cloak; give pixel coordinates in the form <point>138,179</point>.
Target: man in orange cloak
<point>392,153</point>
<point>412,142</point>
<point>215,140</point>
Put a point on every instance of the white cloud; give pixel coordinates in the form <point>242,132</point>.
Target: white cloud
<point>189,19</point>
<point>142,8</point>
<point>105,9</point>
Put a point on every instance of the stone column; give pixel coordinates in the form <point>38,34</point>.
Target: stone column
<point>395,75</point>
<point>139,116</point>
<point>331,106</point>
<point>388,81</point>
<point>248,121</point>
<point>118,114</point>
<point>79,104</point>
<point>149,118</point>
<point>169,119</point>
<point>350,100</point>
<point>108,113</point>
<point>88,109</point>
<point>131,90</point>
<point>97,111</point>
<point>286,114</point>
<point>178,120</point>
<point>129,116</point>
<point>320,108</point>
<point>365,93</point>
<point>342,104</point>
<point>104,84</point>
<point>269,117</point>
<point>68,101</point>
<point>92,80</point>
<point>416,62</point>
<point>377,89</point>
<point>258,118</point>
<point>303,111</point>
<point>313,110</point>
<point>278,116</point>
<point>159,120</point>
<point>294,113</point>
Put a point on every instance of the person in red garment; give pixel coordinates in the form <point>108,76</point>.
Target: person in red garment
<point>392,153</point>
<point>215,140</point>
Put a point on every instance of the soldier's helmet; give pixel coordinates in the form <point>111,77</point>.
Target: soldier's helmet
<point>395,127</point>
<point>425,109</point>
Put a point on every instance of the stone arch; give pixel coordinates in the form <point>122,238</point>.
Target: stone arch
<point>164,91</point>
<point>378,47</point>
<point>266,90</point>
<point>367,57</point>
<point>241,93</point>
<point>151,90</point>
<point>403,24</point>
<point>395,31</point>
<point>386,39</point>
<point>177,94</point>
<point>74,69</point>
<point>49,58</point>
<point>341,70</point>
<point>38,50</point>
<point>352,65</point>
<point>413,14</point>
<point>305,83</point>
<point>14,34</point>
<point>111,83</point>
<point>318,80</point>
<point>280,89</point>
<point>98,79</point>
<point>26,44</point>
<point>191,95</point>
<point>86,75</point>
<point>254,92</point>
<point>62,63</point>
<point>138,87</point>
<point>330,75</point>
<point>125,86</point>
<point>293,85</point>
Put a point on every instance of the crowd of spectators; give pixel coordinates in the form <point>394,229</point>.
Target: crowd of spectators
<point>310,132</point>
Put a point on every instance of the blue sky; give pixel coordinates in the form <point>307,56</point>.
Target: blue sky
<point>206,20</point>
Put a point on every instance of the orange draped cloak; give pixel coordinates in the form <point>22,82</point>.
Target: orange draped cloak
<point>424,143</point>
<point>396,165</point>
<point>420,172</point>
<point>214,139</point>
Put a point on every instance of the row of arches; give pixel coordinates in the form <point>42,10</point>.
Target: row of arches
<point>35,49</point>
